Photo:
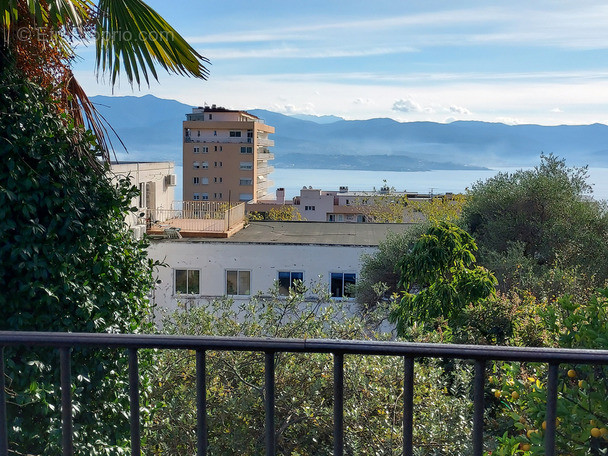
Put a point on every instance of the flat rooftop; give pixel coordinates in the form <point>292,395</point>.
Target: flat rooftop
<point>313,233</point>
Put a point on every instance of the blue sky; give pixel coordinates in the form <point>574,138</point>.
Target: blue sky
<point>542,62</point>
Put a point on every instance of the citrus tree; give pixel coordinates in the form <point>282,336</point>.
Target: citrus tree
<point>582,411</point>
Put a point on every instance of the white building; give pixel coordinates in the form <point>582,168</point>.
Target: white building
<point>156,184</point>
<point>252,260</point>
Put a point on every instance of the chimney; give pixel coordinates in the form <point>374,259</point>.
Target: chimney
<point>280,196</point>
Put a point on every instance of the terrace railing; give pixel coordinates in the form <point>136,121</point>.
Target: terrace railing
<point>64,342</point>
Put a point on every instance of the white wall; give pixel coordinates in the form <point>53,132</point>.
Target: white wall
<point>263,260</point>
<point>153,175</point>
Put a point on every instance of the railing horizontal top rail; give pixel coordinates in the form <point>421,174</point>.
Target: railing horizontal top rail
<point>387,348</point>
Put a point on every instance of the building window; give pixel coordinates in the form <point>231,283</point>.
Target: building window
<point>197,150</point>
<point>196,197</point>
<point>238,283</point>
<point>221,148</point>
<point>196,165</point>
<point>288,280</point>
<point>218,164</point>
<point>331,218</point>
<point>245,196</point>
<point>205,196</point>
<point>205,180</point>
<point>235,134</point>
<point>246,182</point>
<point>246,150</point>
<point>218,179</point>
<point>198,133</point>
<point>205,165</point>
<point>309,208</point>
<point>246,165</point>
<point>215,148</point>
<point>217,195</point>
<point>196,180</point>
<point>341,284</point>
<point>210,116</point>
<point>187,281</point>
<point>205,150</point>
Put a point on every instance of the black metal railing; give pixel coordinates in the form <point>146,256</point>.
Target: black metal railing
<point>480,354</point>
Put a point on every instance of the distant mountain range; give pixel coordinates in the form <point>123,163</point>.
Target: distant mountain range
<point>151,129</point>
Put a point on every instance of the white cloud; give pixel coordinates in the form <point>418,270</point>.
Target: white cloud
<point>556,110</point>
<point>407,106</point>
<point>459,110</point>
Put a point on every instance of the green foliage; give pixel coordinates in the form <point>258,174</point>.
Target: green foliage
<point>67,263</point>
<point>440,277</point>
<point>582,411</point>
<point>532,222</point>
<point>379,278</point>
<point>382,206</point>
<point>285,213</point>
<point>304,385</point>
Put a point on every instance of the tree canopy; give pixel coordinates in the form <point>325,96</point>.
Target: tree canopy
<point>439,277</point>
<point>533,221</point>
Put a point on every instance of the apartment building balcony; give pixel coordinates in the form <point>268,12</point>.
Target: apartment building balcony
<point>265,169</point>
<point>198,347</point>
<point>265,142</point>
<point>188,219</point>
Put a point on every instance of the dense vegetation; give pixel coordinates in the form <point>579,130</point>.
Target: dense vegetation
<point>544,238</point>
<point>68,263</point>
<point>67,260</point>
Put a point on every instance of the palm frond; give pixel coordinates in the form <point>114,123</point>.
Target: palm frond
<point>85,114</point>
<point>132,37</point>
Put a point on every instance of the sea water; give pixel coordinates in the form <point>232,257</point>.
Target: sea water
<point>435,182</point>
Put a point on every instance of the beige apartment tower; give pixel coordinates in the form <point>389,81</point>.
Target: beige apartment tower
<point>226,155</point>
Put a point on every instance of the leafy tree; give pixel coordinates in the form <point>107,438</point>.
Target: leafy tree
<point>284,213</point>
<point>304,384</point>
<point>68,263</point>
<point>440,277</point>
<point>379,276</point>
<point>534,226</point>
<point>446,208</point>
<point>382,206</point>
<point>582,411</point>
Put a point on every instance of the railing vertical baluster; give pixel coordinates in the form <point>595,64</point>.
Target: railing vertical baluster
<point>201,403</point>
<point>338,404</point>
<point>269,404</point>
<point>3,420</point>
<point>66,401</point>
<point>478,403</point>
<point>408,406</point>
<point>551,413</point>
<point>134,402</point>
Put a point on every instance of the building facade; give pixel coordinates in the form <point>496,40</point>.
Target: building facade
<point>156,184</point>
<point>261,256</point>
<point>226,155</point>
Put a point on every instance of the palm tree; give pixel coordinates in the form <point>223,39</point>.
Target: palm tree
<point>39,36</point>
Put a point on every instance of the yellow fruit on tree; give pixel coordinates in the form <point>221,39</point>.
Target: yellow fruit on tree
<point>544,426</point>
<point>526,447</point>
<point>530,432</point>
<point>595,432</point>
<point>571,373</point>
<point>497,393</point>
<point>515,395</point>
<point>580,383</point>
